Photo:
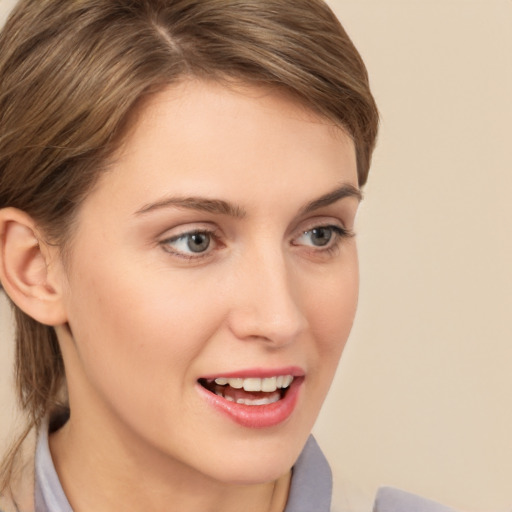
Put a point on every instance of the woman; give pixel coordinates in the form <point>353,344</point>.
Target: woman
<point>178,186</point>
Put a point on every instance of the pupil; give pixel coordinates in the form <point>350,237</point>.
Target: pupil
<point>321,236</point>
<point>198,242</point>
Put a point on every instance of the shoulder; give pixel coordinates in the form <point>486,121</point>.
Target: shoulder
<point>394,500</point>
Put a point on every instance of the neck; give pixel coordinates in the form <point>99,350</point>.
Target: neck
<point>104,473</point>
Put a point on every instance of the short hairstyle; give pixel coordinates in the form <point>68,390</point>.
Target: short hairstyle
<point>72,72</point>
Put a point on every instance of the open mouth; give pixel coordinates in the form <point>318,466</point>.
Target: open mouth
<point>249,391</point>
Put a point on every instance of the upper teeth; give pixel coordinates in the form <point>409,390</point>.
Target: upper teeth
<point>267,384</point>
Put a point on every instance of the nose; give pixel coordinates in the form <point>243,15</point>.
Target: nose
<point>267,302</point>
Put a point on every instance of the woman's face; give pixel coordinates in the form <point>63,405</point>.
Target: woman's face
<point>217,246</point>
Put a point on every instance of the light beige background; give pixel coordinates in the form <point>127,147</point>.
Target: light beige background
<point>423,397</point>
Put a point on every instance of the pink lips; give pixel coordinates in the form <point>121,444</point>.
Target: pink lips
<point>258,416</point>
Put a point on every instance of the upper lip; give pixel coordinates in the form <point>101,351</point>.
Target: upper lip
<point>294,371</point>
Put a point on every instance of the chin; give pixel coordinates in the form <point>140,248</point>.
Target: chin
<point>254,460</point>
<point>253,472</point>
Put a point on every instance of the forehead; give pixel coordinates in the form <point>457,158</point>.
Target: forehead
<point>213,139</point>
<point>228,100</point>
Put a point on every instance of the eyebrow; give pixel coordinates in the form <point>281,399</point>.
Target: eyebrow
<point>346,190</point>
<point>196,203</point>
<point>221,207</point>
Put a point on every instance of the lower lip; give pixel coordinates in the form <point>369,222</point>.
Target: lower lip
<point>257,416</point>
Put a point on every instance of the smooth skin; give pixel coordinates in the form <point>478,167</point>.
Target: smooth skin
<point>217,241</point>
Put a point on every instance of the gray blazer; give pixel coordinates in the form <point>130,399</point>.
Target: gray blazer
<point>394,500</point>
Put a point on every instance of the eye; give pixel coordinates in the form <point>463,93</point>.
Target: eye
<point>189,244</point>
<point>319,236</point>
<point>322,236</point>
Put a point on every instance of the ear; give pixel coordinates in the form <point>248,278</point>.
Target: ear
<point>30,269</point>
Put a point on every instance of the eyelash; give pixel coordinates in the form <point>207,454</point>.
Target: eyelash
<point>211,233</point>
<point>332,245</point>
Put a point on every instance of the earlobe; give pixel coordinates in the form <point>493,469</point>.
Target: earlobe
<point>28,269</point>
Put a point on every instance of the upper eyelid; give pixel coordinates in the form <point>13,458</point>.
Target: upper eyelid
<point>217,233</point>
<point>318,221</point>
<point>189,233</point>
<point>200,227</point>
<point>169,235</point>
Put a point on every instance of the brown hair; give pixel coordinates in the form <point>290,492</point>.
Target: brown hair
<point>71,72</point>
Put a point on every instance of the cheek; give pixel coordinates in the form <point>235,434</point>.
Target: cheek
<point>332,310</point>
<point>137,330</point>
<point>139,314</point>
<point>137,341</point>
<point>333,306</point>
